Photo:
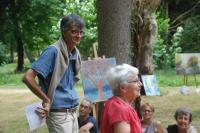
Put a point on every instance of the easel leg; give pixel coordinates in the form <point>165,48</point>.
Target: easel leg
<point>184,80</point>
<point>94,111</point>
<point>195,80</point>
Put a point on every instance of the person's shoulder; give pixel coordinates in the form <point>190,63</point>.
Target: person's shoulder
<point>51,48</point>
<point>50,51</point>
<point>193,129</point>
<point>174,125</point>
<point>172,128</point>
<point>115,102</point>
<point>91,119</point>
<point>157,123</point>
<point>158,126</point>
<point>117,106</point>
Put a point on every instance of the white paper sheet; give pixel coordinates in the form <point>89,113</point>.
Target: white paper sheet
<point>34,120</point>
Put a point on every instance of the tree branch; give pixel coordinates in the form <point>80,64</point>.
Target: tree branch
<point>181,16</point>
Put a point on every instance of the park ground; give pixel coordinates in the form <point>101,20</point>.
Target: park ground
<point>13,101</point>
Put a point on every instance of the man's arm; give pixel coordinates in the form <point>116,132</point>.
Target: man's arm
<point>122,127</point>
<point>86,128</point>
<point>29,80</point>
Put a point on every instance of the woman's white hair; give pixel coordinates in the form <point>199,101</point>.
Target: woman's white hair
<point>119,75</point>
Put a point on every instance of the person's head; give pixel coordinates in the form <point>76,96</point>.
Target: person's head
<point>183,117</point>
<point>147,111</point>
<point>85,107</point>
<point>124,81</point>
<point>72,29</point>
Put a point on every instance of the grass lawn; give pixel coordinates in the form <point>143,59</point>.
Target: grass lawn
<point>13,120</point>
<point>14,96</point>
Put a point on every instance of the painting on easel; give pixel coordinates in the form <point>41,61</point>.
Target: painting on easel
<point>188,63</point>
<point>150,85</point>
<point>95,86</point>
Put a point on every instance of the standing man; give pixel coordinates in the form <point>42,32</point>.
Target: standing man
<point>87,123</point>
<point>58,69</point>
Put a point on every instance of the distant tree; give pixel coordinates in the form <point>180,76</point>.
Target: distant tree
<point>28,23</point>
<point>190,39</point>
<point>31,25</point>
<point>179,10</point>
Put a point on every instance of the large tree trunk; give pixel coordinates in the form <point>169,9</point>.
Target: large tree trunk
<point>114,37</point>
<point>144,34</point>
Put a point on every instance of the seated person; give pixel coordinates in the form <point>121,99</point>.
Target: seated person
<point>148,125</point>
<point>86,122</point>
<point>183,118</point>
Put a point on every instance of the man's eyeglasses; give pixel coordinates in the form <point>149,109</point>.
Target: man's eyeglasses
<point>77,32</point>
<point>139,83</point>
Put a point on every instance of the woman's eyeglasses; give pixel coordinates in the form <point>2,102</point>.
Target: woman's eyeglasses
<point>139,83</point>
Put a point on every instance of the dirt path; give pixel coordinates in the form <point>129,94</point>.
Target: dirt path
<point>5,91</point>
<point>8,91</point>
<point>172,91</point>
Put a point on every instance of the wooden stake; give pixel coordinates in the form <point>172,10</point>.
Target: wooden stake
<point>95,50</point>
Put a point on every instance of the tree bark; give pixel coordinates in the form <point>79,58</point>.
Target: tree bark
<point>114,22</point>
<point>144,34</point>
<point>11,60</point>
<point>18,38</point>
<point>20,54</point>
<point>148,36</point>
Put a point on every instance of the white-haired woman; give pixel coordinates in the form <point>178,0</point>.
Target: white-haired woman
<point>119,115</point>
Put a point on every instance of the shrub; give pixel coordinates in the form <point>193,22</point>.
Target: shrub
<point>190,37</point>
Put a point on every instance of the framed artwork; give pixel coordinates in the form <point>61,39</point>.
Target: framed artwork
<point>187,63</point>
<point>95,86</point>
<point>150,85</point>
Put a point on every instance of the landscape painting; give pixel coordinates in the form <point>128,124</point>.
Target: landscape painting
<point>187,63</point>
<point>95,86</point>
<point>150,85</point>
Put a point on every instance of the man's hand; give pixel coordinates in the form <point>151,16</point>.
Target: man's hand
<point>43,111</point>
<point>84,130</point>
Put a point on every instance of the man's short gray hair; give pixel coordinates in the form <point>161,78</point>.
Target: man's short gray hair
<point>72,18</point>
<point>119,75</point>
<point>90,102</point>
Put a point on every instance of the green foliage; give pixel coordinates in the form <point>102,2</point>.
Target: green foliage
<point>164,51</point>
<point>190,39</point>
<point>3,58</point>
<point>175,47</point>
<point>8,77</point>
<point>47,34</point>
<point>160,52</point>
<point>39,24</point>
<point>168,77</point>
